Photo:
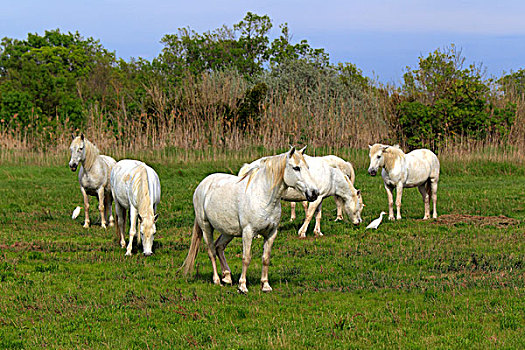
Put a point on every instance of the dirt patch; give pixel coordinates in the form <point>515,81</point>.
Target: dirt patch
<point>500,221</point>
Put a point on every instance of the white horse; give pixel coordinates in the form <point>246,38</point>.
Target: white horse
<point>93,177</point>
<point>347,169</point>
<point>136,187</point>
<point>330,182</point>
<point>418,168</point>
<point>245,207</point>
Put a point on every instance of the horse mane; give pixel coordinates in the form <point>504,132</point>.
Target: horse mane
<point>92,154</point>
<point>392,153</point>
<point>274,166</point>
<point>141,188</point>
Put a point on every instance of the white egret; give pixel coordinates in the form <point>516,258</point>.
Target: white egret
<point>374,224</point>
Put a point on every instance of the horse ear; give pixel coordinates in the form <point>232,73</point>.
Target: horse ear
<point>358,192</point>
<point>82,136</point>
<point>155,217</point>
<point>369,146</point>
<point>72,136</point>
<point>301,151</point>
<point>291,151</point>
<point>140,217</point>
<point>385,147</point>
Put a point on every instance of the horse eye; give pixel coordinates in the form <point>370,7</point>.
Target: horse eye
<point>378,157</point>
<point>296,168</point>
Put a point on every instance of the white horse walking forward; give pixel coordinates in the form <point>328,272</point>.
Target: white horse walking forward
<point>331,181</point>
<point>93,177</point>
<point>136,187</point>
<point>418,168</point>
<point>245,207</point>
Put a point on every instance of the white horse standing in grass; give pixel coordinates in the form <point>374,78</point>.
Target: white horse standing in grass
<point>93,177</point>
<point>246,207</point>
<point>331,181</point>
<point>136,187</point>
<point>347,169</point>
<point>418,168</point>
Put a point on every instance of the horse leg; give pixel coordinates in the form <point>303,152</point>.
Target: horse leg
<point>309,215</point>
<point>109,210</point>
<point>101,200</point>
<point>220,245</point>
<point>292,211</point>
<point>390,197</point>
<point>268,242</point>
<point>339,204</point>
<point>247,238</point>
<point>426,199</point>
<point>132,227</point>
<point>207,234</point>
<point>434,190</point>
<point>86,206</point>
<point>305,205</point>
<point>399,196</point>
<point>120,214</point>
<point>318,215</point>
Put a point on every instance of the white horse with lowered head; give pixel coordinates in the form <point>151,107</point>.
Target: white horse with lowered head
<point>246,207</point>
<point>93,177</point>
<point>136,187</point>
<point>330,181</point>
<point>347,169</point>
<point>419,168</point>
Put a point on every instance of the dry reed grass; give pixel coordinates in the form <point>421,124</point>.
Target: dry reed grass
<point>195,127</point>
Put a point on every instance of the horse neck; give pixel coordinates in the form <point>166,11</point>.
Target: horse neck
<point>392,157</point>
<point>142,191</point>
<point>91,155</point>
<point>270,180</point>
<point>344,188</point>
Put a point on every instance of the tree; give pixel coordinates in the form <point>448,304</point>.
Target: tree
<point>442,99</point>
<point>41,75</point>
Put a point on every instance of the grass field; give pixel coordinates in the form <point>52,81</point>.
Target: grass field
<point>451,283</point>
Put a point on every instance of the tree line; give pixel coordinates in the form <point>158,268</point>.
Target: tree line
<point>58,81</point>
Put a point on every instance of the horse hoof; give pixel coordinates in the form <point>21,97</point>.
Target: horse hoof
<point>103,225</point>
<point>339,218</point>
<point>302,235</point>
<point>242,289</point>
<point>227,279</point>
<point>111,224</point>
<point>86,225</point>
<point>319,234</point>
<point>391,218</point>
<point>266,287</point>
<point>128,253</point>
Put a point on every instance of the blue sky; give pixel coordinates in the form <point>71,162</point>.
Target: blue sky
<point>380,37</point>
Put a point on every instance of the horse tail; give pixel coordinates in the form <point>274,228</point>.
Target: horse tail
<point>196,237</point>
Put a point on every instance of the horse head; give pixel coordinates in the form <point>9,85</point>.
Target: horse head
<point>78,152</point>
<point>377,159</point>
<point>147,232</point>
<point>297,175</point>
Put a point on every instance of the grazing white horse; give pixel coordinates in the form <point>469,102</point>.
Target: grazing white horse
<point>136,187</point>
<point>330,182</point>
<point>419,168</point>
<point>246,207</point>
<point>93,177</point>
<point>347,169</point>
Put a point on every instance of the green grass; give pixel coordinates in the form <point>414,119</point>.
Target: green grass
<point>410,284</point>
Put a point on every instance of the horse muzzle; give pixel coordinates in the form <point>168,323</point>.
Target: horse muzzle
<point>372,172</point>
<point>147,253</point>
<point>312,196</point>
<point>73,167</point>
